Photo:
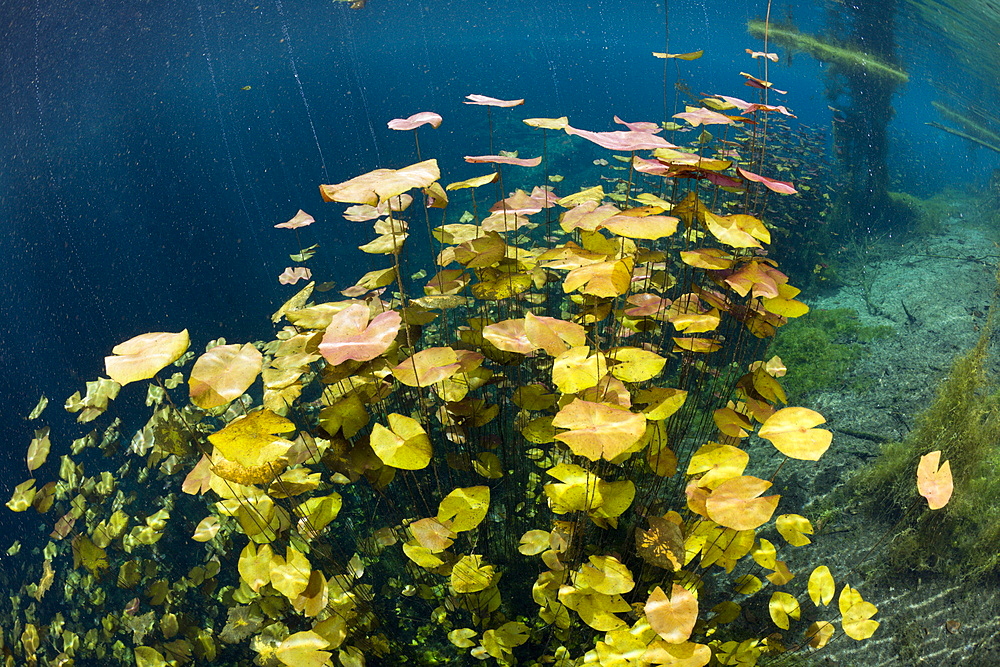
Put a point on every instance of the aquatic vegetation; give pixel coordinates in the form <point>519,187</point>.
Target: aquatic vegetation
<point>963,423</point>
<point>819,350</point>
<point>531,451</point>
<point>859,45</point>
<point>827,51</point>
<point>927,216</point>
<point>974,130</point>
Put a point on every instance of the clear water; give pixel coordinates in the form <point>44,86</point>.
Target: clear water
<point>149,147</point>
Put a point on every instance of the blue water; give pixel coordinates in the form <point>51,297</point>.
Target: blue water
<point>140,181</point>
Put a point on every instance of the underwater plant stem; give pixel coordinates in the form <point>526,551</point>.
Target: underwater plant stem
<point>489,122</point>
<point>964,135</point>
<point>666,49</point>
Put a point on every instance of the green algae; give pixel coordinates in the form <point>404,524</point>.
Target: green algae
<point>825,51</point>
<point>820,350</point>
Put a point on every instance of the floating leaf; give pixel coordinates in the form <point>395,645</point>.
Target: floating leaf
<point>23,496</point>
<point>504,159</point>
<point>700,116</point>
<point>576,370</point>
<point>635,364</point>
<point>465,508</point>
<point>748,584</point>
<point>662,545</point>
<point>606,575</point>
<point>254,565</point>
<point>548,123</point>
<point>382,184</point>
<point>509,336</point>
<point>290,575</point>
<point>856,614</point>
<point>622,141</point>
<point>474,182</point>
<point>462,637</point>
<point>427,367</point>
<point>791,432</point>
<point>470,575</point>
<point>697,345</point>
<point>206,529</point>
<point>661,402</point>
<point>731,230</point>
<point>291,275</point>
<point>651,227</point>
<point>304,649</point>
<point>717,463</point>
<point>199,479</point>
<point>432,534</point>
<point>821,586</point>
<point>603,279</point>
<point>317,512</point>
<point>794,528</point>
<point>819,633</point>
<point>223,373</point>
<point>251,440</point>
<point>36,411</point>
<point>781,187</point>
<point>731,422</point>
<point>672,618</point>
<point>415,121</point>
<point>694,55</point>
<point>553,335</point>
<point>598,430</point>
<point>782,607</point>
<point>403,445</point>
<point>534,542</point>
<point>146,656</point>
<point>933,480</point>
<point>300,219</point>
<point>38,449</point>
<point>491,101</point>
<point>351,336</point>
<point>87,554</point>
<point>735,503</point>
<point>143,356</point>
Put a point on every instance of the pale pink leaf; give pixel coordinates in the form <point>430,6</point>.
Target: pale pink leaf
<point>647,305</point>
<point>524,204</point>
<point>781,187</point>
<point>622,141</point>
<point>300,219</point>
<point>750,107</point>
<point>502,159</point>
<point>702,116</point>
<point>365,212</point>
<point>291,275</point>
<point>350,335</point>
<point>415,121</point>
<point>650,166</point>
<point>773,57</point>
<point>491,101</point>
<point>640,126</point>
<point>199,480</point>
<point>722,180</point>
<point>509,336</point>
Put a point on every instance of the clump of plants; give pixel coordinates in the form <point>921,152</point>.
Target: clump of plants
<point>820,350</point>
<point>927,216</point>
<point>530,452</point>
<point>963,423</point>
